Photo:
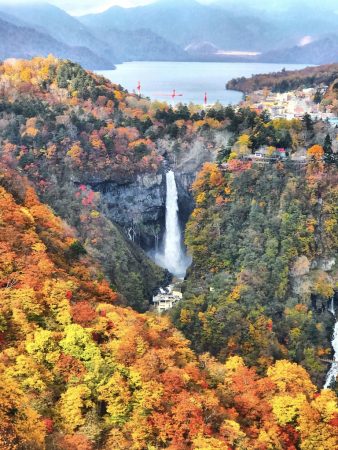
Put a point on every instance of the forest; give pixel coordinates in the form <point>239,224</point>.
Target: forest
<point>84,364</point>
<point>287,80</point>
<point>258,286</point>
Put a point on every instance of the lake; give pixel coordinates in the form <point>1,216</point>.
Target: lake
<point>192,79</point>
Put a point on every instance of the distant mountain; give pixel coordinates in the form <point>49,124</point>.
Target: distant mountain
<point>202,48</point>
<point>142,45</point>
<point>322,51</point>
<point>112,46</point>
<point>187,22</point>
<point>49,19</point>
<point>25,42</point>
<point>290,21</point>
<point>177,30</point>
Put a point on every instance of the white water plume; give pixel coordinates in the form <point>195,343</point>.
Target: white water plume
<point>173,256</point>
<point>333,372</point>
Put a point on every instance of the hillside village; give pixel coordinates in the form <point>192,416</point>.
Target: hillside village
<point>293,104</point>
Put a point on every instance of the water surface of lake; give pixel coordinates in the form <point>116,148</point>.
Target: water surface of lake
<point>192,79</point>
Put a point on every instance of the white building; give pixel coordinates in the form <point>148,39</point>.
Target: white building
<point>167,299</point>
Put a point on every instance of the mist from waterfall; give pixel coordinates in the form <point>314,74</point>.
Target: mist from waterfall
<point>333,372</point>
<point>173,256</point>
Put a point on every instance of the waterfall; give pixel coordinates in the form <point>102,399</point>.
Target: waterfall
<point>331,307</point>
<point>333,372</point>
<point>173,256</point>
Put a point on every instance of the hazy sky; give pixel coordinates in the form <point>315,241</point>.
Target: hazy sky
<point>79,7</point>
<point>84,6</point>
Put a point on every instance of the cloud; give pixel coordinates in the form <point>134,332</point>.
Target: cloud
<point>79,7</point>
<point>306,40</point>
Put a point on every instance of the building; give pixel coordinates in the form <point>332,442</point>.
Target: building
<point>167,299</point>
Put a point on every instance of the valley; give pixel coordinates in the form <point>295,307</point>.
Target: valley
<point>97,184</point>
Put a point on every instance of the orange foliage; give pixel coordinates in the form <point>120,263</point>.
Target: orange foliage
<point>316,152</point>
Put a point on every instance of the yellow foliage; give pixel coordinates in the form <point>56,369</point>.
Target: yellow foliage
<point>330,224</point>
<point>185,316</point>
<point>290,378</point>
<point>232,433</point>
<point>25,426</point>
<point>323,285</point>
<point>72,406</point>
<point>235,294</point>
<point>233,155</point>
<point>201,197</point>
<point>314,424</point>
<point>202,442</point>
<point>286,407</point>
<point>75,152</point>
<point>117,395</point>
<point>233,363</point>
<point>242,144</point>
<point>39,247</point>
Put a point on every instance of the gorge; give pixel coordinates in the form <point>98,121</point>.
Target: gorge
<point>92,179</point>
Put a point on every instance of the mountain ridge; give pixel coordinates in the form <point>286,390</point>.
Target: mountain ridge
<point>25,42</point>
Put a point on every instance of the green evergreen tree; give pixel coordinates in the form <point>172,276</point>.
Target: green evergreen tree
<point>307,122</point>
<point>329,156</point>
<point>317,97</point>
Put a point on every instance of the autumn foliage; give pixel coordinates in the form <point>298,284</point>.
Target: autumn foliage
<point>77,370</point>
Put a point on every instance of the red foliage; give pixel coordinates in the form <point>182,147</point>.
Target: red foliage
<point>69,367</point>
<point>74,442</point>
<point>270,325</point>
<point>290,437</point>
<point>89,199</point>
<point>49,424</point>
<point>236,165</point>
<point>334,422</point>
<point>83,313</point>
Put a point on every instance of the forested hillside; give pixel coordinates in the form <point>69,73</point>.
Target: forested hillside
<point>264,245</point>
<point>80,373</point>
<point>287,80</point>
<point>78,137</point>
<point>58,126</point>
<point>82,370</point>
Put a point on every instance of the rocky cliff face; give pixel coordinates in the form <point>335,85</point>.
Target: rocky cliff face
<point>138,207</point>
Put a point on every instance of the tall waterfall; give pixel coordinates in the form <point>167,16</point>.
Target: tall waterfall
<point>333,372</point>
<point>173,256</point>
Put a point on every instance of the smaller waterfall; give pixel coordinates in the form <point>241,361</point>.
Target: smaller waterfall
<point>331,307</point>
<point>173,256</point>
<point>333,372</point>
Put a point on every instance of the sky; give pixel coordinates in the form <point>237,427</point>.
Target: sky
<point>80,7</point>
